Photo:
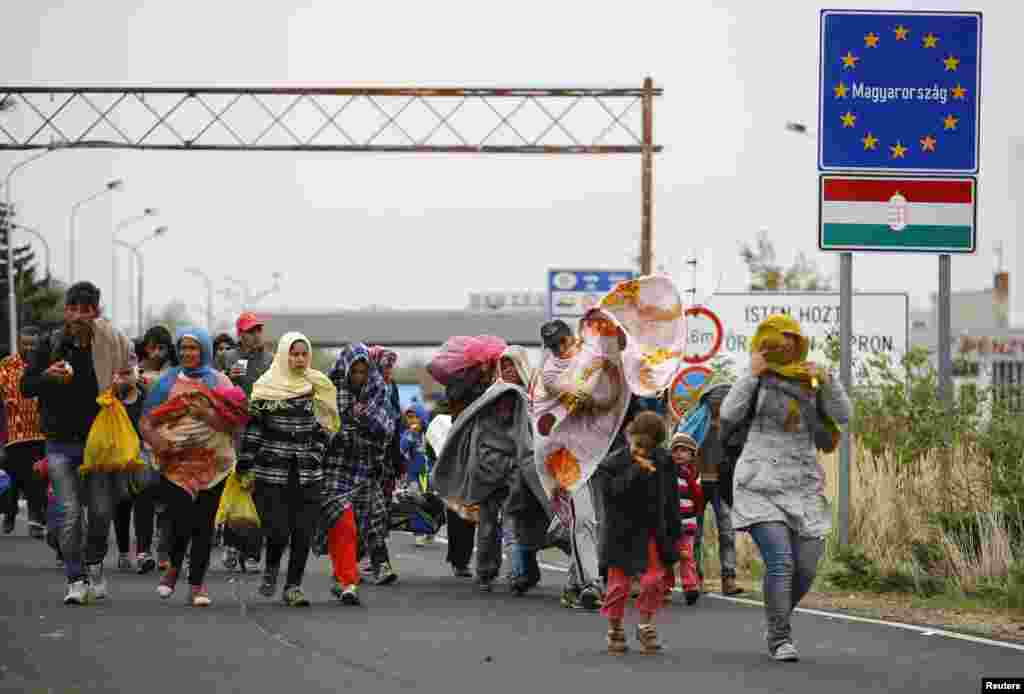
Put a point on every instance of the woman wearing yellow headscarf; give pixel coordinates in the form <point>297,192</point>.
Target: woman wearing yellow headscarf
<point>294,413</point>
<point>779,487</point>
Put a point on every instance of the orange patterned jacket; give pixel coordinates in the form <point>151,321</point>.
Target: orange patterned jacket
<point>22,413</point>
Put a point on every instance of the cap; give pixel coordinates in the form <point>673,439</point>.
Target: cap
<point>684,440</point>
<point>247,321</point>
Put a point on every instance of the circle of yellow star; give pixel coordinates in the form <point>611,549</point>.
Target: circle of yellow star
<point>840,90</point>
<point>959,92</point>
<point>928,143</point>
<point>951,63</point>
<point>898,151</point>
<point>901,33</point>
<point>950,122</point>
<point>931,40</point>
<point>871,40</point>
<point>849,60</point>
<point>870,142</point>
<point>849,120</point>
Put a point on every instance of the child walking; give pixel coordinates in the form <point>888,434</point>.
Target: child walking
<point>642,531</point>
<point>691,507</point>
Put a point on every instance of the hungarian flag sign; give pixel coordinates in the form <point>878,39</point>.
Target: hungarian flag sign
<point>880,213</point>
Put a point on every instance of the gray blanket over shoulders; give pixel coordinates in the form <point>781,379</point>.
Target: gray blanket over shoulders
<point>484,451</point>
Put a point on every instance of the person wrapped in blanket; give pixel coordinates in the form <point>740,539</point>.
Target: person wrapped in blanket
<point>353,510</point>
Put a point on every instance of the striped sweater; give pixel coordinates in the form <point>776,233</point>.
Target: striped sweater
<point>280,436</point>
<point>691,496</point>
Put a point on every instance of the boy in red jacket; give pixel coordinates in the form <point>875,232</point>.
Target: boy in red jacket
<point>691,507</point>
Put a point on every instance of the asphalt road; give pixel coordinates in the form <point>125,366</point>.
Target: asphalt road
<point>431,632</point>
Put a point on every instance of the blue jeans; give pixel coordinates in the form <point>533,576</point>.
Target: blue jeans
<point>791,563</point>
<point>74,494</point>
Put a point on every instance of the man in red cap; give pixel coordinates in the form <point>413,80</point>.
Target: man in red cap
<point>245,365</point>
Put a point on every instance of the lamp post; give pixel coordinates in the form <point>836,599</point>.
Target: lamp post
<point>12,295</point>
<point>209,293</point>
<point>138,267</point>
<point>128,221</point>
<point>111,186</point>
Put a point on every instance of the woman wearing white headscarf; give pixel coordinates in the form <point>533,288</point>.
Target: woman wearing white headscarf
<point>294,413</point>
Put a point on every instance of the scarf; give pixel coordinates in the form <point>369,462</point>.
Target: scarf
<point>371,401</point>
<point>383,358</point>
<point>281,383</point>
<point>770,339</point>
<point>204,372</point>
<point>110,350</point>
<point>521,360</point>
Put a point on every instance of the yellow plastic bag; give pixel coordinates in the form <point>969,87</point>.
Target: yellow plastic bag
<point>112,445</point>
<point>237,510</point>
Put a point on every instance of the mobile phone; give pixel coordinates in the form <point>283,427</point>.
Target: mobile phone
<point>243,364</point>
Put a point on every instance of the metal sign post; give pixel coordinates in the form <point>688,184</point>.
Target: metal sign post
<point>846,376</point>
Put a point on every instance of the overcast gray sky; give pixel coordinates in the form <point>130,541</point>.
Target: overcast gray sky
<point>423,231</point>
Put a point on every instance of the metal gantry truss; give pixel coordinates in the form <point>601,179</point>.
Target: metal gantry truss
<point>340,119</point>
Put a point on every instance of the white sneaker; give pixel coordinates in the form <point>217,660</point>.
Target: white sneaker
<point>98,583</point>
<point>785,653</point>
<point>78,593</point>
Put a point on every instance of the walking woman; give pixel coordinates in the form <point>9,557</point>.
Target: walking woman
<point>293,414</point>
<point>779,495</point>
<point>194,451</point>
<point>353,494</point>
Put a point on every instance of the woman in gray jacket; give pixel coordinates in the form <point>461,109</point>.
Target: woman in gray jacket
<point>779,492</point>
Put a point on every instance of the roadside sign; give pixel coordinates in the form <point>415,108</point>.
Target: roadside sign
<point>687,387</point>
<point>910,214</point>
<point>880,322</point>
<point>899,91</point>
<point>571,293</point>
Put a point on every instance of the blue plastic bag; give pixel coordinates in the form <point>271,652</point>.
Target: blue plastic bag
<point>5,482</point>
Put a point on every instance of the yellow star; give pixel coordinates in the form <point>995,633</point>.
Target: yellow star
<point>849,60</point>
<point>901,33</point>
<point>870,142</point>
<point>871,40</point>
<point>898,151</point>
<point>928,143</point>
<point>959,92</point>
<point>950,122</point>
<point>931,40</point>
<point>840,90</point>
<point>849,120</point>
<point>951,63</point>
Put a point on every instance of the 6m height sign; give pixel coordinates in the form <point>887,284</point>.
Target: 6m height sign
<point>880,322</point>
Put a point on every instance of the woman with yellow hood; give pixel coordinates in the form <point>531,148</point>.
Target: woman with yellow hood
<point>294,413</point>
<point>793,408</point>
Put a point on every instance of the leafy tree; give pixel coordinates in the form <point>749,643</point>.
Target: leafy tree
<point>173,316</point>
<point>768,275</point>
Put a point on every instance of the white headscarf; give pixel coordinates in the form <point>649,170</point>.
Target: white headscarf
<point>521,360</point>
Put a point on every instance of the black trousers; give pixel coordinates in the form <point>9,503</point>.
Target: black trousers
<point>145,514</point>
<point>460,540</point>
<point>288,518</point>
<point>20,459</point>
<point>191,520</point>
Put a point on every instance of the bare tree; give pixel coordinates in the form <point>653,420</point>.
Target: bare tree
<point>768,275</point>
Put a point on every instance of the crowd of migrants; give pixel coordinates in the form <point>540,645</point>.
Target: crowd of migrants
<point>330,464</point>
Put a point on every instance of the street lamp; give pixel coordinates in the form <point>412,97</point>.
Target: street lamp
<point>209,293</point>
<point>139,269</point>
<point>128,221</point>
<point>12,296</point>
<point>111,186</point>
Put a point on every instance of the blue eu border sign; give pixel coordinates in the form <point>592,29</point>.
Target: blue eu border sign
<point>899,91</point>
<point>571,293</point>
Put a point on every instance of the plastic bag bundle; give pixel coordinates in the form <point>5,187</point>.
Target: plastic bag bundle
<point>462,352</point>
<point>237,510</point>
<point>112,444</point>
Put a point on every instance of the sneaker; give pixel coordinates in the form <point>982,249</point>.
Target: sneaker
<point>78,593</point>
<point>200,596</point>
<point>729,586</point>
<point>294,597</point>
<point>485,584</point>
<point>124,562</point>
<point>165,588</point>
<point>570,598</point>
<point>230,558</point>
<point>97,582</point>
<point>647,635</point>
<point>269,584</point>
<point>785,653</point>
<point>692,596</point>
<point>348,595</point>
<point>8,524</point>
<point>421,540</point>
<point>461,572</point>
<point>428,539</point>
<point>386,574</point>
<point>145,563</point>
<point>616,640</point>
<point>590,599</point>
